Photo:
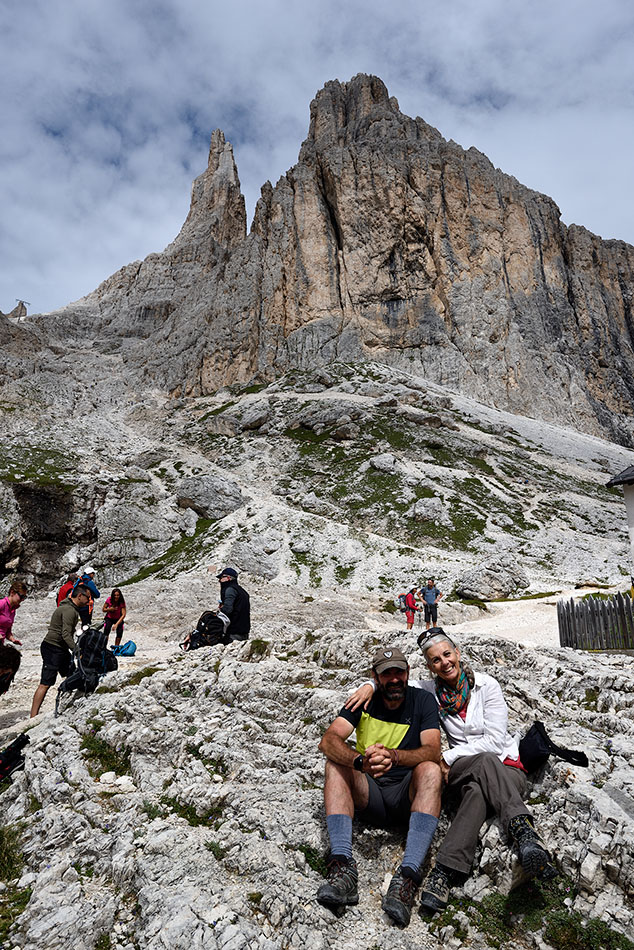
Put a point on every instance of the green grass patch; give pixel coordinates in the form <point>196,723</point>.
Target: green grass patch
<point>472,602</point>
<point>189,813</point>
<point>568,930</point>
<point>12,904</point>
<point>216,849</point>
<point>151,809</point>
<point>533,907</point>
<point>101,753</point>
<point>132,680</point>
<point>258,648</point>
<point>590,699</point>
<point>598,595</point>
<point>343,573</point>
<point>39,466</point>
<point>538,596</point>
<point>480,464</point>
<point>214,766</point>
<point>11,860</point>
<point>314,858</point>
<point>218,410</point>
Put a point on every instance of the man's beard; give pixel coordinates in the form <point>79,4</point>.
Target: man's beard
<point>393,692</point>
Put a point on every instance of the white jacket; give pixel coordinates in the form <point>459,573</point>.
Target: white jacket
<point>485,727</point>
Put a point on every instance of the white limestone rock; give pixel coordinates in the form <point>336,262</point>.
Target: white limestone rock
<point>498,577</point>
<point>210,496</point>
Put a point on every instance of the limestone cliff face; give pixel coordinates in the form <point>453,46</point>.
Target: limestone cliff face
<point>385,241</point>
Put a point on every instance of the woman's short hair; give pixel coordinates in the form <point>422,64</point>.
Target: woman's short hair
<point>19,587</point>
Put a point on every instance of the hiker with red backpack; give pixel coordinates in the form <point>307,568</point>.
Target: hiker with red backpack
<point>66,587</point>
<point>411,607</point>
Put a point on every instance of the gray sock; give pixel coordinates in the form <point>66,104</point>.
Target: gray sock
<point>340,833</point>
<point>419,837</point>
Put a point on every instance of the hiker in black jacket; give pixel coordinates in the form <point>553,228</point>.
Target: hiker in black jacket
<point>235,604</point>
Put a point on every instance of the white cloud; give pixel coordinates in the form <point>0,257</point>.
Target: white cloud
<point>109,105</point>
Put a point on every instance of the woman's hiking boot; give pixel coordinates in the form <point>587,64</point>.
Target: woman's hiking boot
<point>401,894</point>
<point>341,888</point>
<point>534,857</point>
<point>436,890</point>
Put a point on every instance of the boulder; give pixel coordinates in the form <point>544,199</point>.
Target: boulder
<point>210,496</point>
<point>383,463</point>
<point>430,509</point>
<point>492,579</point>
<point>255,415</point>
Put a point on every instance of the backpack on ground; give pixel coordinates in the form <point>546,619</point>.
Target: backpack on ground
<point>211,629</point>
<point>400,601</point>
<point>11,758</point>
<point>124,649</point>
<point>536,747</point>
<point>91,660</point>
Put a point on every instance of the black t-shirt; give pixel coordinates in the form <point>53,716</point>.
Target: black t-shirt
<point>394,728</point>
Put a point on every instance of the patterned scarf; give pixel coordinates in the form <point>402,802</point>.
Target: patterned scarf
<point>452,699</point>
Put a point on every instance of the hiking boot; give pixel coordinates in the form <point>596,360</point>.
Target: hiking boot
<point>341,887</point>
<point>534,857</point>
<point>400,896</point>
<point>435,894</point>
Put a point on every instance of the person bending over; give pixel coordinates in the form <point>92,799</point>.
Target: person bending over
<point>58,644</point>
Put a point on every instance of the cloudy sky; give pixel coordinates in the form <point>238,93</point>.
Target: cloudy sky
<point>107,108</point>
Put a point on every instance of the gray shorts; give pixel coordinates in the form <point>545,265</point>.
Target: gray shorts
<point>388,804</point>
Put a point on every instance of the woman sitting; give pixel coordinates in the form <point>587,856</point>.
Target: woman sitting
<point>481,768</point>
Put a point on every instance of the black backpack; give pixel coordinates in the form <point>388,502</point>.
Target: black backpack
<point>210,630</point>
<point>91,660</point>
<point>11,758</point>
<point>537,746</point>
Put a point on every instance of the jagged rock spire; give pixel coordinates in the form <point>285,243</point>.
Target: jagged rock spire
<point>217,213</point>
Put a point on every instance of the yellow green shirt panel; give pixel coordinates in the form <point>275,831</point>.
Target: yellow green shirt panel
<point>371,730</point>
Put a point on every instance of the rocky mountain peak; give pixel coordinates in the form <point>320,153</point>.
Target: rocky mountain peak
<point>361,110</point>
<point>343,112</point>
<point>217,214</point>
<point>384,242</point>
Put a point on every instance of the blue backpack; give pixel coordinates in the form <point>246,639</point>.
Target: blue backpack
<point>125,649</point>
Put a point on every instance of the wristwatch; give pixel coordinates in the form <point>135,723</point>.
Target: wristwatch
<point>358,763</point>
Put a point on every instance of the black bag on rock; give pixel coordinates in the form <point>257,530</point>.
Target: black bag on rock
<point>537,746</point>
<point>210,630</point>
<point>11,758</point>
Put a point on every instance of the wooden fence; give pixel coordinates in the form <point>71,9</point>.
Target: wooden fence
<point>597,624</point>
